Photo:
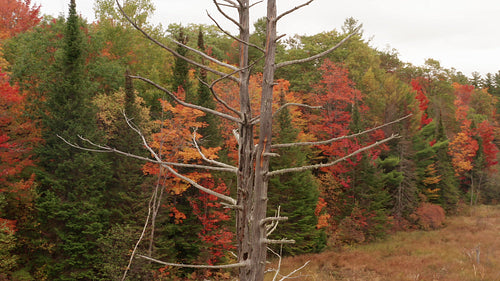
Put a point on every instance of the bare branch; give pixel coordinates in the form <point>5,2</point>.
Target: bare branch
<point>272,219</point>
<point>274,222</point>
<point>173,52</point>
<point>175,173</point>
<point>229,74</point>
<point>227,16</point>
<point>202,54</point>
<point>293,10</point>
<point>256,3</point>
<point>218,99</point>
<point>256,119</point>
<point>284,145</point>
<point>234,37</point>
<point>213,162</point>
<point>279,37</point>
<point>322,54</point>
<point>281,241</point>
<point>232,3</point>
<point>227,5</point>
<point>107,149</point>
<point>141,236</point>
<point>181,102</point>
<point>316,166</point>
<point>224,266</point>
<point>202,188</point>
<point>279,266</point>
<point>236,135</point>
<point>279,261</point>
<point>295,271</point>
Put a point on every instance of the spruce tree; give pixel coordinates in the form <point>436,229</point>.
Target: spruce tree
<point>181,69</point>
<point>295,194</point>
<point>435,175</point>
<point>72,183</point>
<point>211,133</point>
<point>125,186</point>
<point>370,194</point>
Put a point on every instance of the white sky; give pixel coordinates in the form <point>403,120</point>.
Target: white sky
<point>462,34</point>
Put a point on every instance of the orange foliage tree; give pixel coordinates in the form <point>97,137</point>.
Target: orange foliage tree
<point>175,143</point>
<point>472,150</point>
<point>17,16</point>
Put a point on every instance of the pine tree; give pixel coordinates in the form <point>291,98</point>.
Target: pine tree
<point>73,182</point>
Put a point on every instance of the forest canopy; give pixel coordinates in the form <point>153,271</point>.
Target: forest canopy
<point>417,142</point>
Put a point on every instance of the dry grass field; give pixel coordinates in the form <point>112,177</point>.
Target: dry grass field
<point>466,249</point>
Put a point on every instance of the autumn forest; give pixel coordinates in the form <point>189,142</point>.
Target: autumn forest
<point>132,151</point>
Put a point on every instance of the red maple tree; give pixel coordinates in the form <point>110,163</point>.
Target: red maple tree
<point>487,133</point>
<point>17,16</point>
<point>18,136</point>
<point>423,101</point>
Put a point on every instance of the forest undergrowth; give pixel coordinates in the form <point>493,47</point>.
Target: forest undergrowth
<point>467,248</point>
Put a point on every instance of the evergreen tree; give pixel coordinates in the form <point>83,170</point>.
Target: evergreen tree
<point>296,194</point>
<point>127,172</point>
<point>73,182</point>
<point>126,193</point>
<point>180,69</point>
<point>369,194</point>
<point>435,176</point>
<point>211,133</point>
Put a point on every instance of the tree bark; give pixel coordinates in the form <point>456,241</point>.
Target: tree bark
<point>245,152</point>
<point>259,204</point>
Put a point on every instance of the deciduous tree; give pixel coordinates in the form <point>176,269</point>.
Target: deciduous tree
<point>18,137</point>
<point>17,16</point>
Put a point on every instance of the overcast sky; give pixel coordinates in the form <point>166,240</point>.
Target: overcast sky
<point>461,34</point>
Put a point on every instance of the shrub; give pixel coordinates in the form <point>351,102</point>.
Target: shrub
<point>349,231</point>
<point>429,216</point>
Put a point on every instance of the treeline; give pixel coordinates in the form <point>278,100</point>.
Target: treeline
<point>75,214</point>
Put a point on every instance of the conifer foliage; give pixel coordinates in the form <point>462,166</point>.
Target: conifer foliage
<point>72,213</point>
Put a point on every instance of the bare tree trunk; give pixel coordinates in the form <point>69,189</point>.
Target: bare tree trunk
<point>259,204</point>
<point>246,151</point>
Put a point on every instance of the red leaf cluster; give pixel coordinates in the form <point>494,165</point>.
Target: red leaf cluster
<point>487,133</point>
<point>17,16</point>
<point>423,101</point>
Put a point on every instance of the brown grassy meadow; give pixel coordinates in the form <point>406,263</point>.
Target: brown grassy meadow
<point>466,249</point>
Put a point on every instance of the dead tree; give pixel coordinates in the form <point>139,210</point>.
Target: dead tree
<point>252,171</point>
